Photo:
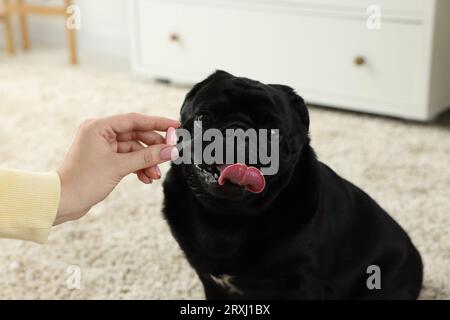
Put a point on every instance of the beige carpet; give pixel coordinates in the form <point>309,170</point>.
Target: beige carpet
<point>124,249</point>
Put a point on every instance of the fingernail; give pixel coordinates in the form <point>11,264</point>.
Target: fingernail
<point>169,153</point>
<point>158,172</point>
<point>171,136</point>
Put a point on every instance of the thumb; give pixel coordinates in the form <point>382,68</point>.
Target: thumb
<point>148,157</point>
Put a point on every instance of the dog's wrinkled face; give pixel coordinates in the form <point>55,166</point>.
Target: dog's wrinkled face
<point>223,102</point>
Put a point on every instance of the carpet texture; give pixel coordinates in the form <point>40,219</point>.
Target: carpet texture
<point>123,248</point>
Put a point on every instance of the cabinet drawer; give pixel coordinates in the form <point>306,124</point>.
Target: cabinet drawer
<point>316,55</point>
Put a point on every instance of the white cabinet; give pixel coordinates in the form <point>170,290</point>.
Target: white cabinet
<point>322,48</point>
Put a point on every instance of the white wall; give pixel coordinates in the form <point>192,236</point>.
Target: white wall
<point>104,28</point>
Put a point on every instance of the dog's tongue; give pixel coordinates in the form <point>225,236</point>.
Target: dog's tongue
<point>240,174</point>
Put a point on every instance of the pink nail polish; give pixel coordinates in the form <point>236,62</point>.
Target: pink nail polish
<point>174,155</point>
<point>169,153</point>
<point>171,136</point>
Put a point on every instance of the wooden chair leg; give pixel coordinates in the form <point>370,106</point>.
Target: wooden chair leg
<point>24,28</point>
<point>71,38</point>
<point>9,37</point>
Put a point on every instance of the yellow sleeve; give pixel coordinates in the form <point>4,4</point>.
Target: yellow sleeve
<point>28,204</point>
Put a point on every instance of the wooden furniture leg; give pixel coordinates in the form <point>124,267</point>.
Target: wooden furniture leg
<point>22,9</point>
<point>71,37</point>
<point>9,37</point>
<point>24,28</point>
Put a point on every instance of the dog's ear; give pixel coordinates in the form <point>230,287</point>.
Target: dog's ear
<point>296,102</point>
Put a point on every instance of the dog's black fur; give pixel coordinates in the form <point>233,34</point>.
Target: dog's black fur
<point>310,235</point>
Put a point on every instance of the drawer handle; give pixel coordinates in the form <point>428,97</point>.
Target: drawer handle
<point>174,37</point>
<point>360,61</point>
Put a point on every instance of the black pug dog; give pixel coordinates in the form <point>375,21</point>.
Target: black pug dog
<point>310,234</point>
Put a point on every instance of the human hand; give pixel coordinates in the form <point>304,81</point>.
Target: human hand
<point>104,152</point>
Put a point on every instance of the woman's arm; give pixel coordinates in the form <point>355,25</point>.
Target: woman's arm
<point>103,153</point>
<point>28,204</point>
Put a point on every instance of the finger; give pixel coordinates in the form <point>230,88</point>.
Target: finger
<point>153,173</point>
<point>138,122</point>
<point>147,137</point>
<point>147,157</point>
<point>143,178</point>
<point>129,146</point>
